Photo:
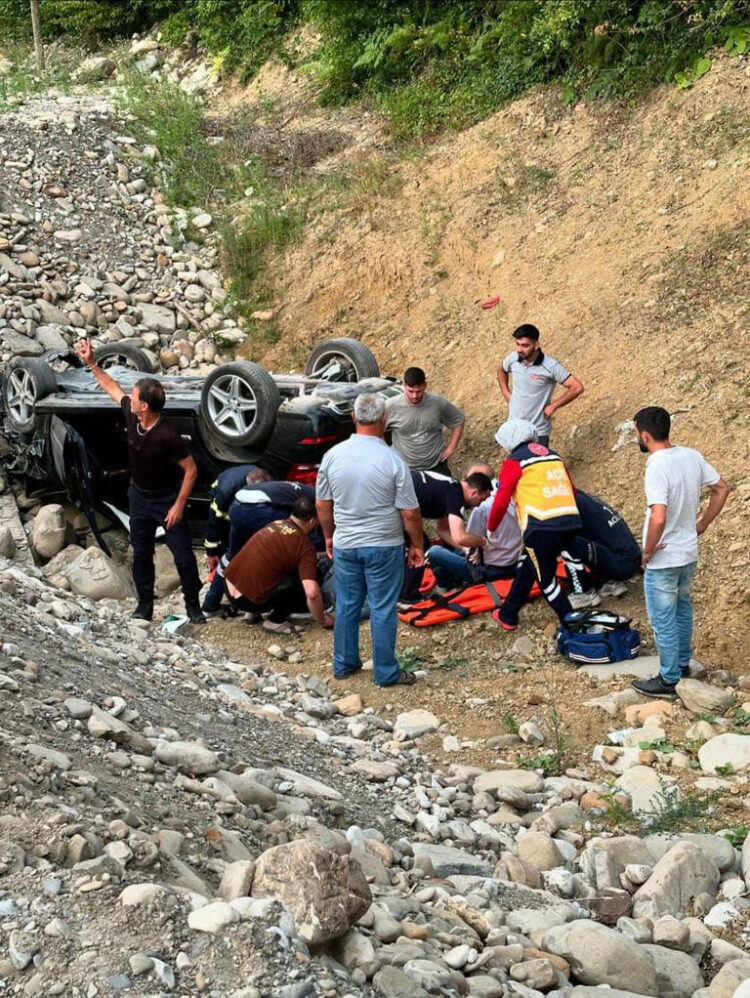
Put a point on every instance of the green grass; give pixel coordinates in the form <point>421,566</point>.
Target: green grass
<point>22,79</point>
<point>255,215</point>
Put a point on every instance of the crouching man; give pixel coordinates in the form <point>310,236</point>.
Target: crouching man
<point>276,572</point>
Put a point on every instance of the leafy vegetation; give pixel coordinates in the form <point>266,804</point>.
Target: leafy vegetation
<point>674,812</point>
<point>550,763</point>
<point>431,64</point>
<point>254,214</point>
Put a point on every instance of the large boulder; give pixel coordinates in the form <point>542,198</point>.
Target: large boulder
<point>680,875</point>
<point>98,67</point>
<point>599,955</point>
<point>646,788</point>
<point>702,698</point>
<point>325,893</point>
<point>731,748</point>
<point>167,576</point>
<point>95,575</point>
<point>158,318</point>
<point>676,973</point>
<point>49,531</point>
<point>521,779</point>
<point>729,978</point>
<point>414,723</point>
<point>51,338</point>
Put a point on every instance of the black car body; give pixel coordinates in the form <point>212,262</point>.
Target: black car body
<point>68,436</point>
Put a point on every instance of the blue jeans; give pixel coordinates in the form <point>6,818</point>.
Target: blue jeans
<point>670,611</point>
<point>451,568</point>
<point>376,573</point>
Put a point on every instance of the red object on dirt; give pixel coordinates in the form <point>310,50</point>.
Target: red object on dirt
<point>492,302</point>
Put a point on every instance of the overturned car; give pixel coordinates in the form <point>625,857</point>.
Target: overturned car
<point>67,437</point>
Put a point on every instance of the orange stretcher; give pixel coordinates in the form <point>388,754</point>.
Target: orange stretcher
<point>457,604</point>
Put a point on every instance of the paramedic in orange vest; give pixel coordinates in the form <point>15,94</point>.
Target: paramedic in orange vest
<point>536,479</point>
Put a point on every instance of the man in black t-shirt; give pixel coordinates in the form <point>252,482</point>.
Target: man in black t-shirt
<point>443,499</point>
<point>162,476</point>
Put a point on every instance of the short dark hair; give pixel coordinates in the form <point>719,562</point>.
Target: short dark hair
<point>304,508</point>
<point>478,480</point>
<point>414,376</point>
<point>526,332</point>
<point>654,420</point>
<point>258,475</point>
<point>151,392</point>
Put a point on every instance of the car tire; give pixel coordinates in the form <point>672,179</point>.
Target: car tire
<point>342,360</point>
<point>27,382</point>
<point>124,355</point>
<point>239,403</point>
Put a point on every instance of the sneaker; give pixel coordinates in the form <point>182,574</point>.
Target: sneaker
<point>404,679</point>
<point>613,589</point>
<point>588,598</point>
<point>144,611</point>
<point>655,687</point>
<point>252,618</point>
<point>212,612</point>
<point>506,626</point>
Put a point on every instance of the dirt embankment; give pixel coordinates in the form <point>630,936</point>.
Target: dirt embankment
<point>622,232</point>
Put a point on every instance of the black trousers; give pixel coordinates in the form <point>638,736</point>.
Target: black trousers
<point>539,564</point>
<point>603,564</point>
<point>285,598</point>
<point>147,512</point>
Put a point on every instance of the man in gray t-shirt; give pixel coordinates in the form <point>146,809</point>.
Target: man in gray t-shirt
<point>365,502</point>
<point>416,421</point>
<point>535,377</point>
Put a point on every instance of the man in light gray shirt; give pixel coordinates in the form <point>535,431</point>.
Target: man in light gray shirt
<point>535,377</point>
<point>416,421</point>
<point>365,502</point>
<point>675,479</point>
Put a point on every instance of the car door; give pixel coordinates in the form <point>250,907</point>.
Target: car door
<point>72,466</point>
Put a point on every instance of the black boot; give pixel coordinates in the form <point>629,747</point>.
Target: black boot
<point>144,610</point>
<point>194,612</point>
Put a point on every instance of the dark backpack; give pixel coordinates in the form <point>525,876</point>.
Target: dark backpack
<point>597,638</point>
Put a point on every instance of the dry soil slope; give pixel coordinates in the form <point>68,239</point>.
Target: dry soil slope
<point>623,233</point>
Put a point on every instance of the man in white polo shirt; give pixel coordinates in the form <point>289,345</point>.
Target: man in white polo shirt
<point>535,377</point>
<point>675,478</point>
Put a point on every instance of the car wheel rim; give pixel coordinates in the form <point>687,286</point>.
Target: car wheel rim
<point>21,395</point>
<point>118,360</point>
<point>232,405</point>
<point>334,367</point>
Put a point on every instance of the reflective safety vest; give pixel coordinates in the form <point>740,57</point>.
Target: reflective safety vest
<point>536,478</point>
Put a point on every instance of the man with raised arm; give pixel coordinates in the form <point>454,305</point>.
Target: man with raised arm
<point>162,477</point>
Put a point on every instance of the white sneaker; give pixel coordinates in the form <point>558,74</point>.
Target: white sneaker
<point>580,600</point>
<point>613,589</point>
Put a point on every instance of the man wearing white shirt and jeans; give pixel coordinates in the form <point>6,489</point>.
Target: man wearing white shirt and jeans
<point>365,502</point>
<point>675,478</point>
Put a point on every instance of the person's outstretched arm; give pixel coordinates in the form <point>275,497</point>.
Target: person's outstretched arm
<point>86,352</point>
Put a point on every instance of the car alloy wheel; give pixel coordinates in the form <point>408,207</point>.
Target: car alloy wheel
<point>20,395</point>
<point>232,405</point>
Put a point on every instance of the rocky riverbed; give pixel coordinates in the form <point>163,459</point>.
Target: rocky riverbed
<point>174,821</point>
<point>89,247</point>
